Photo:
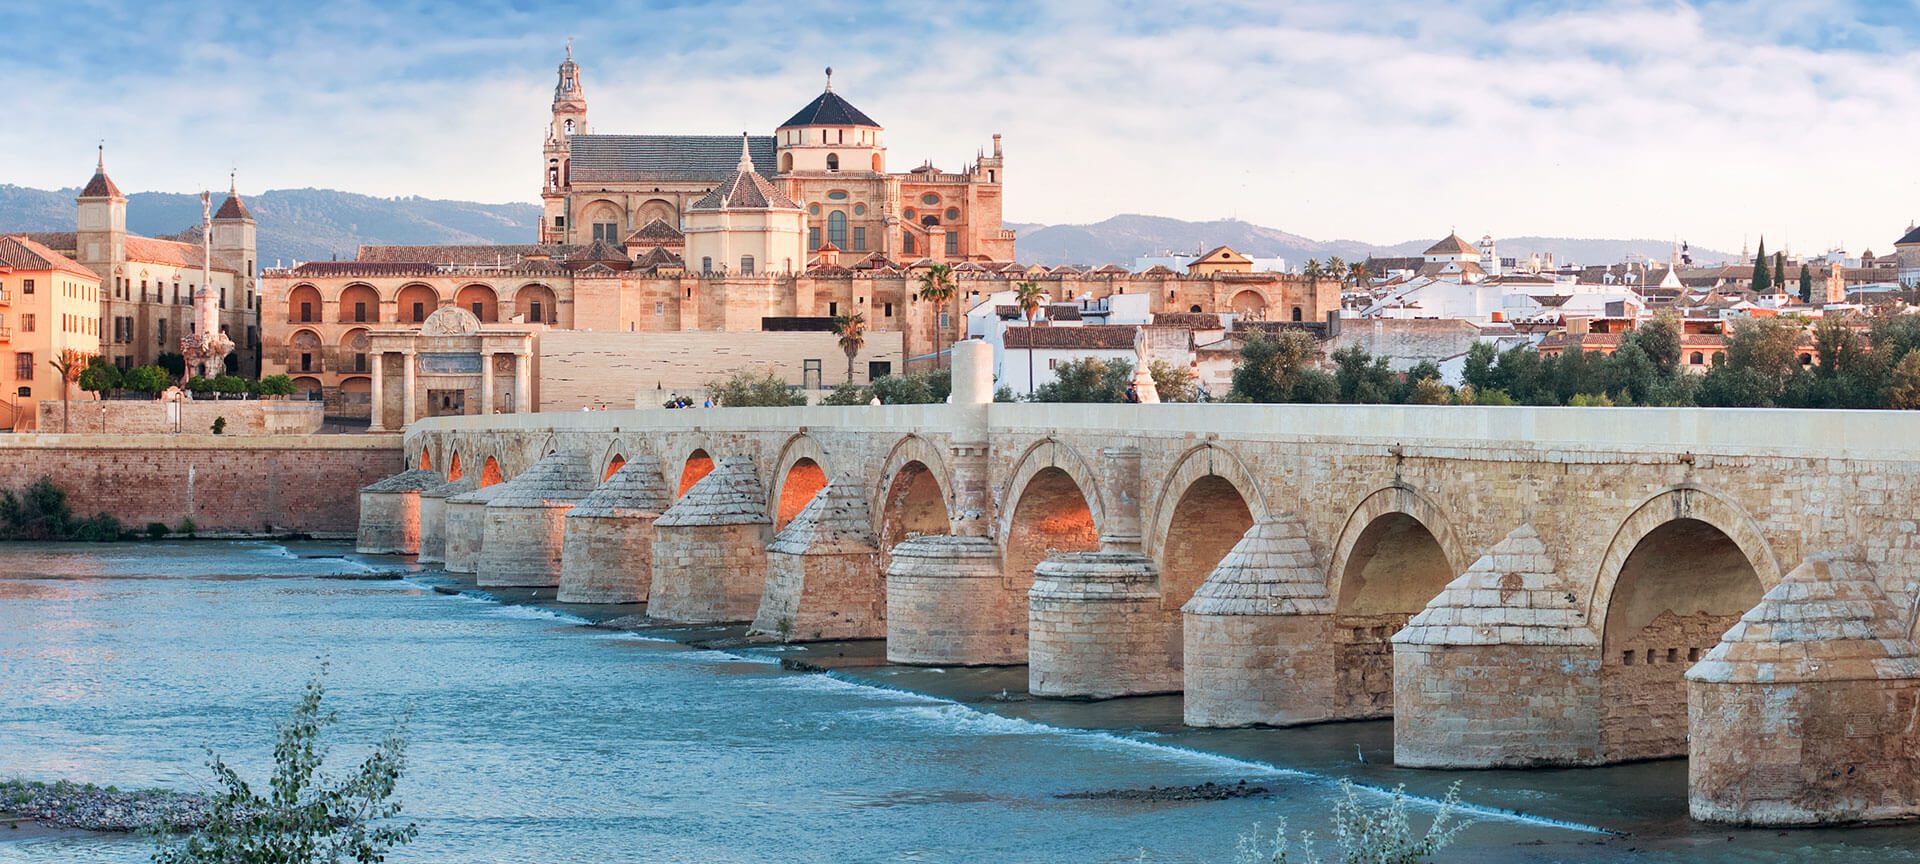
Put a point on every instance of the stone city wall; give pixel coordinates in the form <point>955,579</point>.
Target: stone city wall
<point>193,417</point>
<point>238,483</point>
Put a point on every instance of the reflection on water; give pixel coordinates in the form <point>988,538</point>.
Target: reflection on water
<point>537,740</point>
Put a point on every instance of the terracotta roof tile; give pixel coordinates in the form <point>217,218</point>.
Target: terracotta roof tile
<point>20,253</point>
<point>1099,336</point>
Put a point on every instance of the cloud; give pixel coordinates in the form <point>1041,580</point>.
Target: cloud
<point>1380,121</point>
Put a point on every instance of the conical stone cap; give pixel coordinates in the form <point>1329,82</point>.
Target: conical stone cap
<point>637,490</point>
<point>411,480</point>
<point>1827,621</point>
<point>481,495</point>
<point>559,478</point>
<point>1271,571</point>
<point>835,522</point>
<point>1512,595</point>
<point>729,495</point>
<point>451,488</point>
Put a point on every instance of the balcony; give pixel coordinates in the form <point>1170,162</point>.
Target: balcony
<point>6,297</point>
<point>6,334</point>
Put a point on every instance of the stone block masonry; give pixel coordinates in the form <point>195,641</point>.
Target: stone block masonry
<point>224,483</point>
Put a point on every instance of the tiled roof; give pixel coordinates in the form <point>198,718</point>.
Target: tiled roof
<point>101,186</point>
<point>655,233</point>
<point>658,257</point>
<point>1912,237</point>
<point>233,208</point>
<point>1158,270</point>
<point>1187,320</point>
<point>1063,311</point>
<point>1453,245</point>
<point>829,110</point>
<point>21,253</point>
<point>600,251</point>
<point>172,253</point>
<point>477,254</point>
<point>1105,269</point>
<point>745,190</point>
<point>637,158</point>
<point>1102,336</point>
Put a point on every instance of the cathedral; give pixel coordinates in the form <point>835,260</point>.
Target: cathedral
<point>828,162</point>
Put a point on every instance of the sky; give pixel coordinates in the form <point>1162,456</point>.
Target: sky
<point>1713,122</point>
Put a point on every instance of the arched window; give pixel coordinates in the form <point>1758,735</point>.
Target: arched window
<point>569,127</point>
<point>1193,308</point>
<point>837,228</point>
<point>1296,313</point>
<point>786,162</point>
<point>833,161</point>
<point>1698,359</point>
<point>746,265</point>
<point>1806,359</point>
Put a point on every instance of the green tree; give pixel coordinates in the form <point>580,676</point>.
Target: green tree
<point>1903,392</point>
<point>1361,377</point>
<point>1336,269</point>
<point>38,512</point>
<point>1477,369</point>
<point>848,394</point>
<point>276,385</point>
<point>919,388</point>
<point>1730,386</point>
<point>1027,296</point>
<point>1087,379</point>
<point>1629,371</point>
<point>1279,368</point>
<point>747,389</point>
<point>1806,284</point>
<point>151,379</point>
<point>100,376</point>
<point>1762,277</point>
<point>304,816</point>
<point>229,384</point>
<point>70,363</point>
<point>851,329</point>
<point>1173,383</point>
<point>173,363</point>
<point>1780,271</point>
<point>936,287</point>
<point>1659,337</point>
<point>1768,347</point>
<point>1357,273</point>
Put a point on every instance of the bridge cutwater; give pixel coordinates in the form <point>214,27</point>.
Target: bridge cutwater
<point>1512,586</point>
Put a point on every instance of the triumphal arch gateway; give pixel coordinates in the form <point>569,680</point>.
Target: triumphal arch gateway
<point>448,367</point>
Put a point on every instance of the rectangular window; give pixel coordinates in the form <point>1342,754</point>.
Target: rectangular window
<point>26,323</point>
<point>953,243</point>
<point>163,332</point>
<point>306,312</point>
<point>606,231</point>
<point>306,362</point>
<point>420,312</point>
<point>534,311</point>
<point>360,362</point>
<point>706,267</point>
<point>360,311</point>
<point>559,221</point>
<point>26,286</point>
<point>477,306</point>
<point>889,312</point>
<point>746,265</point>
<point>810,374</point>
<point>23,366</point>
<point>878,369</point>
<point>659,308</point>
<point>944,323</point>
<point>833,309</point>
<point>859,239</point>
<point>813,241</point>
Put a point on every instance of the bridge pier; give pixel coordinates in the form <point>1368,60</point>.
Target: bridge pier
<point>526,523</point>
<point>710,549</point>
<point>1258,633</point>
<point>607,554</point>
<point>1806,712</point>
<point>823,572</point>
<point>433,518</point>
<point>1500,670</point>
<point>390,513</point>
<point>467,526</point>
<point>948,604</point>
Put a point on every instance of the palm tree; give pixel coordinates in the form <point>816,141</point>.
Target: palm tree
<point>936,285</point>
<point>1312,270</point>
<point>851,327</point>
<point>69,364</point>
<point>1027,295</point>
<point>1357,271</point>
<point>1336,269</point>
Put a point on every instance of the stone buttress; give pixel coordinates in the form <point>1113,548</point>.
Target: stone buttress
<point>390,513</point>
<point>823,572</point>
<point>433,518</point>
<point>607,556</point>
<point>948,603</point>
<point>1096,626</point>
<point>1500,670</point>
<point>710,549</point>
<point>1257,633</point>
<point>1808,711</point>
<point>466,527</point>
<point>526,522</point>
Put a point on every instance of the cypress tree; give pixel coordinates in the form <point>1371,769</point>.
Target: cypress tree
<point>1762,277</point>
<point>1806,284</point>
<point>1780,269</point>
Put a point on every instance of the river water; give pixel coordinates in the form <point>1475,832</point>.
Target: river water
<point>534,738</point>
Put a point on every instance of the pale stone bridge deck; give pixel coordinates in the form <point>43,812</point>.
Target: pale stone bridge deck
<point>1514,586</point>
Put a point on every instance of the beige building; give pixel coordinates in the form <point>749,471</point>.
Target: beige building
<point>49,305</point>
<point>147,283</point>
<point>830,157</point>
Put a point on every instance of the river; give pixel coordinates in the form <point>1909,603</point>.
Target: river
<point>534,738</point>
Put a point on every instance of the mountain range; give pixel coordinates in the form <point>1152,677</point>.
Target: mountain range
<point>322,224</point>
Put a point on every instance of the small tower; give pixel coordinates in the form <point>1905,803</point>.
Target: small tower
<point>830,136</point>
<point>994,168</point>
<point>233,233</point>
<point>1489,256</point>
<point>569,119</point>
<point>101,242</point>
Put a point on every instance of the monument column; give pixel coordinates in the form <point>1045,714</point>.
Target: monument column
<point>407,408</point>
<point>377,419</point>
<point>522,382</point>
<point>486,382</point>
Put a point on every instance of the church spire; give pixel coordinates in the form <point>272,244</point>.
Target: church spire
<point>746,157</point>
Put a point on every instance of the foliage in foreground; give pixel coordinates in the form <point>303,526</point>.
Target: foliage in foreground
<point>1362,835</point>
<point>749,390</point>
<point>40,512</point>
<point>301,819</point>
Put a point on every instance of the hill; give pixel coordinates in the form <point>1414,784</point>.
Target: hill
<point>295,224</point>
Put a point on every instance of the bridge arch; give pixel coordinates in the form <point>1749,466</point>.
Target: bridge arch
<point>1680,570</point>
<point>1052,504</point>
<point>911,496</point>
<point>690,460</point>
<point>453,466</point>
<point>799,472</point>
<point>1395,553</point>
<point>613,457</point>
<point>1205,504</point>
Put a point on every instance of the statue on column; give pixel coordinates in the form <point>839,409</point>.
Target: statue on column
<point>1142,390</point>
<point>203,345</point>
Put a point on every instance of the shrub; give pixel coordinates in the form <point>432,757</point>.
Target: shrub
<point>307,817</point>
<point>229,384</point>
<point>186,527</point>
<point>102,528</point>
<point>746,390</point>
<point>919,388</point>
<point>145,379</point>
<point>848,394</point>
<point>156,530</point>
<point>100,376</point>
<point>1374,836</point>
<point>219,425</point>
<point>276,385</point>
<point>38,512</point>
<point>173,363</point>
<point>198,385</point>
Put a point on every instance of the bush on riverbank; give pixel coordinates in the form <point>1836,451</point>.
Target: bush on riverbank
<point>1363,835</point>
<point>40,512</point>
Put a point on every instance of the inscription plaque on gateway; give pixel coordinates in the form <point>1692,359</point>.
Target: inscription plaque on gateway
<point>450,364</point>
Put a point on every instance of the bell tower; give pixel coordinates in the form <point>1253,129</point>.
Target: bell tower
<point>569,119</point>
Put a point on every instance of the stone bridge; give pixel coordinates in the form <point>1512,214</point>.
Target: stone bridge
<point>1513,586</point>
